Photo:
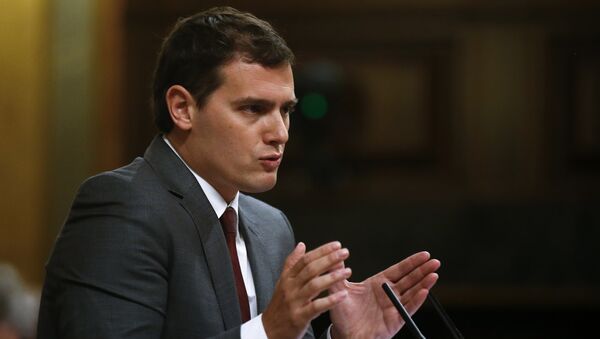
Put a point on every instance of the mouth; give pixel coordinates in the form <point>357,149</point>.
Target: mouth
<point>271,162</point>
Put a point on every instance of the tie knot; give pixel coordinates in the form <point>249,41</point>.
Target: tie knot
<point>229,220</point>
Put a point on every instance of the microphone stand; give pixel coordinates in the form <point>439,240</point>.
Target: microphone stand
<point>411,324</point>
<point>442,313</point>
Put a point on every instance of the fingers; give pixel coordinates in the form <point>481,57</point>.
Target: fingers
<point>293,258</point>
<point>295,301</point>
<point>412,278</point>
<point>318,261</point>
<point>416,301</point>
<point>319,269</point>
<point>417,275</point>
<point>399,270</point>
<point>309,305</point>
<point>326,281</point>
<point>426,283</point>
<point>413,297</point>
<point>321,305</point>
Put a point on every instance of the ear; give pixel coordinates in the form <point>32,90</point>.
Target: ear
<point>181,105</point>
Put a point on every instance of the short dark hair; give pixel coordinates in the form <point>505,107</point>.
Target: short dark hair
<point>197,46</point>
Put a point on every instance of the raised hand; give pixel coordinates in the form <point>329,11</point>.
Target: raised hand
<point>367,312</point>
<point>296,300</point>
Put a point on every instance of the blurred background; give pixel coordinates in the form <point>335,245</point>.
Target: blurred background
<point>470,129</point>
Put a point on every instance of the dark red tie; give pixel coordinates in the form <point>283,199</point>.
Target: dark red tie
<point>229,223</point>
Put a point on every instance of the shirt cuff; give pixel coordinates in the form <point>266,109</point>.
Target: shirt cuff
<point>253,328</point>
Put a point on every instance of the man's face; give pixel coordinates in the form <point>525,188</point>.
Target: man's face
<point>237,138</point>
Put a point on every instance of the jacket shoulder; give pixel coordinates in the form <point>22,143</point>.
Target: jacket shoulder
<point>137,174</point>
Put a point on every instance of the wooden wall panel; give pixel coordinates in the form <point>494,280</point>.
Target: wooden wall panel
<point>23,120</point>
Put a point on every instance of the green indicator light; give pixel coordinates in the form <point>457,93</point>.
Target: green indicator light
<point>314,106</point>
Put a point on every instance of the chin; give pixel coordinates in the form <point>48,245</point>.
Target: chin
<point>261,185</point>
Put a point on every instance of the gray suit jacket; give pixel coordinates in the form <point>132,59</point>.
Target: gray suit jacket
<point>142,255</point>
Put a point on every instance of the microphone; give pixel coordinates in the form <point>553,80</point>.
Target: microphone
<point>409,322</point>
<point>442,313</point>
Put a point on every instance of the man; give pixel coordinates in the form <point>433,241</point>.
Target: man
<point>156,249</point>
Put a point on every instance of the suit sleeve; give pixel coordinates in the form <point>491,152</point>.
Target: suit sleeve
<point>107,276</point>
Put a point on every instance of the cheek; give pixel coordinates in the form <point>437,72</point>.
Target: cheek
<point>238,145</point>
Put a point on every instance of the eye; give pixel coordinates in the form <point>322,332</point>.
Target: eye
<point>253,108</point>
<point>288,109</point>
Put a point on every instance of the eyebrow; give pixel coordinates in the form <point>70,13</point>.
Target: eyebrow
<point>259,101</point>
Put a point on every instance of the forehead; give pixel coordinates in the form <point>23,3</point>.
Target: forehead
<point>251,79</point>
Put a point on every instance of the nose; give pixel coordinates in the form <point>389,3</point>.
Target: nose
<point>277,129</point>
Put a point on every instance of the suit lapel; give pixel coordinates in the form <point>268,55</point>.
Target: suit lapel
<point>259,261</point>
<point>180,181</point>
<point>216,256</point>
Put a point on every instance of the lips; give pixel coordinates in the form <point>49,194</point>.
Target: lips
<point>271,162</point>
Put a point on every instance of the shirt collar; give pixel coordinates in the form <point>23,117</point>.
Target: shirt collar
<point>216,200</point>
